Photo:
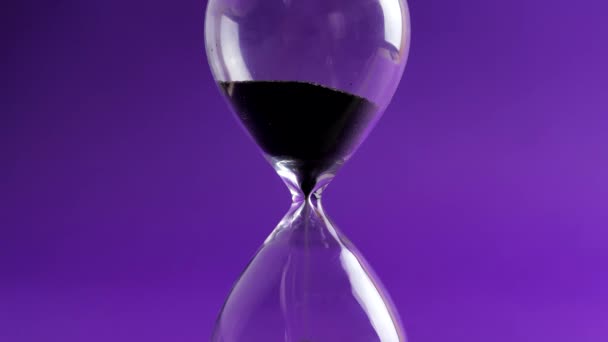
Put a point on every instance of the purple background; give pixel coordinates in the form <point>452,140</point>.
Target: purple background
<point>130,200</point>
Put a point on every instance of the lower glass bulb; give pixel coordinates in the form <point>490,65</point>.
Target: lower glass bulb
<point>308,283</point>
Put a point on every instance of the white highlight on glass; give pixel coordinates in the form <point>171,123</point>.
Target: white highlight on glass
<point>393,22</point>
<point>236,68</point>
<point>369,298</point>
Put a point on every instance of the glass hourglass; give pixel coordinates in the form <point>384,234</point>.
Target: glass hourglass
<point>308,80</point>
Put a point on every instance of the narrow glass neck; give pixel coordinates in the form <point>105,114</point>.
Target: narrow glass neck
<point>306,224</point>
<point>306,181</point>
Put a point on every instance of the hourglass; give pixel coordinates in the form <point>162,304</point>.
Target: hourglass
<point>308,80</point>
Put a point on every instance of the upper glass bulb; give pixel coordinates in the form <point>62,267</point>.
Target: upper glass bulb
<point>307,78</point>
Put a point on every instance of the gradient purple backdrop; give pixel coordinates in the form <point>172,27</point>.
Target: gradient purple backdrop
<point>130,200</point>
